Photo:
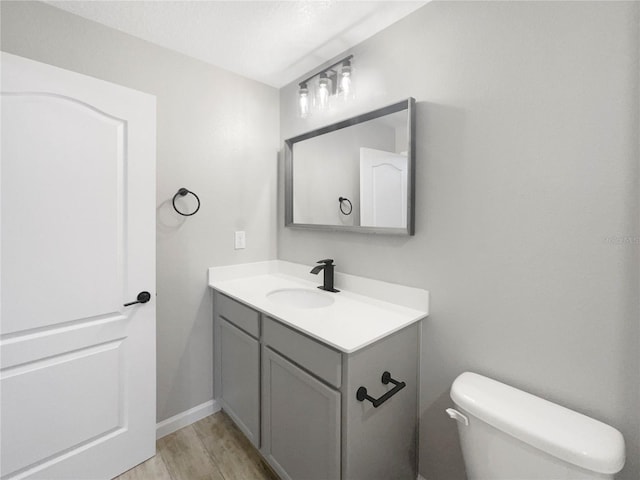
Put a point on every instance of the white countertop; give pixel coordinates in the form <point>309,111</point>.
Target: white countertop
<point>354,320</point>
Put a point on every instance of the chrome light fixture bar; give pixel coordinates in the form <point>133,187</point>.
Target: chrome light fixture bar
<point>331,83</point>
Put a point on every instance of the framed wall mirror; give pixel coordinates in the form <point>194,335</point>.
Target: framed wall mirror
<point>356,175</point>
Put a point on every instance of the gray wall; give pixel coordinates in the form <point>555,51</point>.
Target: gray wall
<point>527,217</point>
<point>217,135</point>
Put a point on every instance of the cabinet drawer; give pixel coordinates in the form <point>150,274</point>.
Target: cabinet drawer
<point>240,315</point>
<point>315,357</point>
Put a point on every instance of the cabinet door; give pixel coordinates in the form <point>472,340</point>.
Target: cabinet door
<point>301,422</point>
<point>240,379</point>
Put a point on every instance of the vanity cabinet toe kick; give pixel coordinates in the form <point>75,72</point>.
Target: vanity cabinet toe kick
<point>312,411</point>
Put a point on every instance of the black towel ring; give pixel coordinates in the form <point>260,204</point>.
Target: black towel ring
<point>345,199</point>
<point>183,192</point>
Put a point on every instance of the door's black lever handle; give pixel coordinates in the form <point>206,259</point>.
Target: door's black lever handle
<point>143,297</point>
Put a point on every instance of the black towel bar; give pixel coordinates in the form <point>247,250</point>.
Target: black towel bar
<point>362,395</point>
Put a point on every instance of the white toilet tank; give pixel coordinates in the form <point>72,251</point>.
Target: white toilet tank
<point>508,434</point>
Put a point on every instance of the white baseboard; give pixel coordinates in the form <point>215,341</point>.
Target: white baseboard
<point>420,477</point>
<point>185,418</point>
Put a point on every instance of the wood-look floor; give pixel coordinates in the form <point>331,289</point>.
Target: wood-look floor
<point>211,449</point>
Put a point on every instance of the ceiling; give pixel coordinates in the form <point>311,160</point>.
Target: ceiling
<point>274,42</point>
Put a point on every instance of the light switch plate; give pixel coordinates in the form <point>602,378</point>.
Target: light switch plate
<point>240,240</point>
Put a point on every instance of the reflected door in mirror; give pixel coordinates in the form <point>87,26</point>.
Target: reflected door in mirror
<point>383,188</point>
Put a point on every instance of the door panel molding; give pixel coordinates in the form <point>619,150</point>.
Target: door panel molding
<point>88,403</point>
<point>7,339</point>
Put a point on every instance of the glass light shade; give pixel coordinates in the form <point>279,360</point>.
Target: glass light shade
<point>324,92</point>
<point>304,105</point>
<point>345,82</point>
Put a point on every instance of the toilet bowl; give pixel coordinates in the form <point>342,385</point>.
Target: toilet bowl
<point>508,434</point>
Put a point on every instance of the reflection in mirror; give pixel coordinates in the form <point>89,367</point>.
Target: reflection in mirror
<point>355,175</point>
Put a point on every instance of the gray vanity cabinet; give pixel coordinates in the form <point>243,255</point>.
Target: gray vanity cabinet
<point>301,420</point>
<point>296,398</point>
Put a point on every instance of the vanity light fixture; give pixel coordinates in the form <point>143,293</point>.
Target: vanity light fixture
<point>331,82</point>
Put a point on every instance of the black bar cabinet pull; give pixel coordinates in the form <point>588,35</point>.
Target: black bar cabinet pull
<point>362,395</point>
<point>143,297</point>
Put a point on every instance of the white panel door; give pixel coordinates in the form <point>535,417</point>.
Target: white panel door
<point>383,188</point>
<point>77,367</point>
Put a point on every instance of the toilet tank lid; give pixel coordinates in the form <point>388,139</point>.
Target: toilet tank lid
<point>556,430</point>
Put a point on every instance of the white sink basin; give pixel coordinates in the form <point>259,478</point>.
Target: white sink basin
<point>301,298</point>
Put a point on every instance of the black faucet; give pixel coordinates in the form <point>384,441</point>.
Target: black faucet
<point>327,266</point>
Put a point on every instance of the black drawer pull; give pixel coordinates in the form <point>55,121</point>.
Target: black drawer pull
<point>362,395</point>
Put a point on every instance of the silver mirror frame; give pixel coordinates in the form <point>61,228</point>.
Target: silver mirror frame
<point>410,106</point>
